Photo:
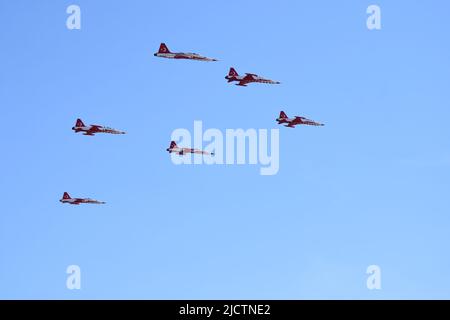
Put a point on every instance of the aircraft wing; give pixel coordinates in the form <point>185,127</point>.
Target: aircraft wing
<point>95,127</point>
<point>183,151</point>
<point>248,78</point>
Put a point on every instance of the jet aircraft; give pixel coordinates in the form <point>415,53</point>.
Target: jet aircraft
<point>91,130</point>
<point>76,201</point>
<point>292,122</point>
<point>248,78</point>
<point>182,151</point>
<point>164,52</point>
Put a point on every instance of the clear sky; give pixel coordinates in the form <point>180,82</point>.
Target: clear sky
<point>370,187</point>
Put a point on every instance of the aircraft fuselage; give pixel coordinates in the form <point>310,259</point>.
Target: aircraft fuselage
<point>181,55</point>
<point>91,130</point>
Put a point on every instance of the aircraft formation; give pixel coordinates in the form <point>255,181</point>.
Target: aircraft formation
<point>233,76</point>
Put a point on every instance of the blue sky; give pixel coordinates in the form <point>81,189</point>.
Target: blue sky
<point>371,187</point>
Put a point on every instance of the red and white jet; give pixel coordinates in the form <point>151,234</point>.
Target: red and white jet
<point>182,151</point>
<point>164,52</point>
<point>292,122</point>
<point>76,201</point>
<point>248,78</point>
<point>91,130</point>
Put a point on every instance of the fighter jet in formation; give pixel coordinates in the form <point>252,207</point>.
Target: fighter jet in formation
<point>182,151</point>
<point>164,52</point>
<point>76,201</point>
<point>248,78</point>
<point>91,130</point>
<point>292,122</point>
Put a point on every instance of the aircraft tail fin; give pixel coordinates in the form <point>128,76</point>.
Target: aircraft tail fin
<point>232,72</point>
<point>163,48</point>
<point>79,123</point>
<point>173,144</point>
<point>66,196</point>
<point>283,115</point>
